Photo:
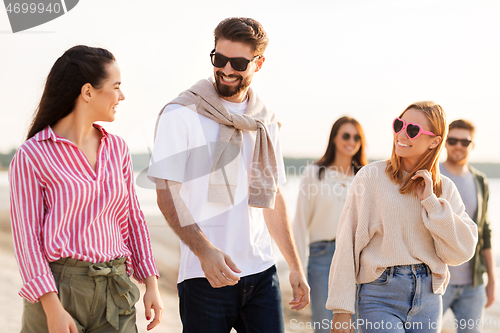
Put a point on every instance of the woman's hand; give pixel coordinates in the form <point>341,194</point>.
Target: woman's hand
<point>342,323</point>
<point>424,189</point>
<point>58,319</point>
<point>152,301</point>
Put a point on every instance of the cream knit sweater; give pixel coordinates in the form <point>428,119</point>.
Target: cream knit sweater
<point>379,228</point>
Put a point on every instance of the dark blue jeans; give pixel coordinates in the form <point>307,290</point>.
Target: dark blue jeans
<point>253,305</point>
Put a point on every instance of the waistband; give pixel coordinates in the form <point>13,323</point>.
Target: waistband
<point>417,268</point>
<point>74,266</point>
<point>323,242</point>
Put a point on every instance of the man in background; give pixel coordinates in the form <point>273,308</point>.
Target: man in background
<point>466,295</point>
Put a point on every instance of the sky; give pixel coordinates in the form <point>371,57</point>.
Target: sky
<point>325,59</point>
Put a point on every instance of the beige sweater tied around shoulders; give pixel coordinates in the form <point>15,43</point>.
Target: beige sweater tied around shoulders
<point>204,99</point>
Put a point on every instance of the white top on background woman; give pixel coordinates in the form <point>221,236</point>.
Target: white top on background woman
<point>320,202</point>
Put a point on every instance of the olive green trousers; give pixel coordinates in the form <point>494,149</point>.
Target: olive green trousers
<point>100,297</point>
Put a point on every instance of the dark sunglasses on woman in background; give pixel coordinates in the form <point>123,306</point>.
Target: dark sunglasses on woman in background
<point>238,64</point>
<point>347,137</point>
<point>454,141</point>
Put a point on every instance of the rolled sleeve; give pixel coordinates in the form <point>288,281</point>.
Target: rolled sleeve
<point>32,290</point>
<point>145,268</point>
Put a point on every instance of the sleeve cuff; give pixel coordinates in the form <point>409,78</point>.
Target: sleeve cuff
<point>340,307</point>
<point>39,286</point>
<point>144,269</point>
<point>431,203</point>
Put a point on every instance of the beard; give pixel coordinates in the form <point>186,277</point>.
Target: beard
<point>230,91</point>
<point>457,157</point>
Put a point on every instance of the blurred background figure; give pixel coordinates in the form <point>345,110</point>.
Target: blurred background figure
<point>321,200</point>
<point>466,295</point>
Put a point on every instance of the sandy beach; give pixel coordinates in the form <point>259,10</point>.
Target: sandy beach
<point>166,249</point>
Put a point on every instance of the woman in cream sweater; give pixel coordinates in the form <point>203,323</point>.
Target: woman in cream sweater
<point>321,199</point>
<point>401,226</point>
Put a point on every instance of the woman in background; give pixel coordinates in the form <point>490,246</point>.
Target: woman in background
<point>77,226</point>
<point>321,199</point>
<point>402,224</point>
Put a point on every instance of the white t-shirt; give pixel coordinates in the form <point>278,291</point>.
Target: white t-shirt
<point>183,153</point>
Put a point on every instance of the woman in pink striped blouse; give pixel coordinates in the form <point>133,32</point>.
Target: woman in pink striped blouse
<point>77,226</point>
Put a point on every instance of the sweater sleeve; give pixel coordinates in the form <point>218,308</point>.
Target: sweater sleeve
<point>352,237</point>
<point>305,206</point>
<point>453,231</point>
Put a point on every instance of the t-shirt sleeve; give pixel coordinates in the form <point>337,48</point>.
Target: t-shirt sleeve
<point>170,151</point>
<point>274,133</point>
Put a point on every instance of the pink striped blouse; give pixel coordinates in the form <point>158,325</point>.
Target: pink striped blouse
<point>61,207</point>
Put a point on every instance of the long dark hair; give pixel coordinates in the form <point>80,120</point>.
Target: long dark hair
<point>77,66</point>
<point>358,160</point>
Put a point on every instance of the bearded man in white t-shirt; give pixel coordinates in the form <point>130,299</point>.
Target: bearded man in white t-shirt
<point>217,165</point>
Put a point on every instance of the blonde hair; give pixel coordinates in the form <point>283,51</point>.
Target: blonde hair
<point>437,122</point>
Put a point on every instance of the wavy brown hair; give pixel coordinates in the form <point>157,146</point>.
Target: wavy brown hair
<point>358,160</point>
<point>243,30</point>
<point>437,122</point>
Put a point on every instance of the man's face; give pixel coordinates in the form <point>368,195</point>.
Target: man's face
<point>458,153</point>
<point>233,85</point>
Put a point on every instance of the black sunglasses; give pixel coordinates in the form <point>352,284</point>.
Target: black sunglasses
<point>347,137</point>
<point>454,141</point>
<point>238,64</point>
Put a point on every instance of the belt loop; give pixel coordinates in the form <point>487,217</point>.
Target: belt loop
<point>429,273</point>
<point>391,271</point>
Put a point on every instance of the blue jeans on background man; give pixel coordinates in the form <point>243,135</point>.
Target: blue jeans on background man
<point>467,304</point>
<point>318,270</point>
<point>252,305</point>
<point>400,300</point>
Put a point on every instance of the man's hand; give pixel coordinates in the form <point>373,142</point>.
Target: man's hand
<point>343,321</point>
<point>489,260</point>
<point>278,225</point>
<point>218,268</point>
<point>300,290</point>
<point>490,293</point>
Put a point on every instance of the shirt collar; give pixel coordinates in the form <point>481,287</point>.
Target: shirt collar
<point>47,133</point>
